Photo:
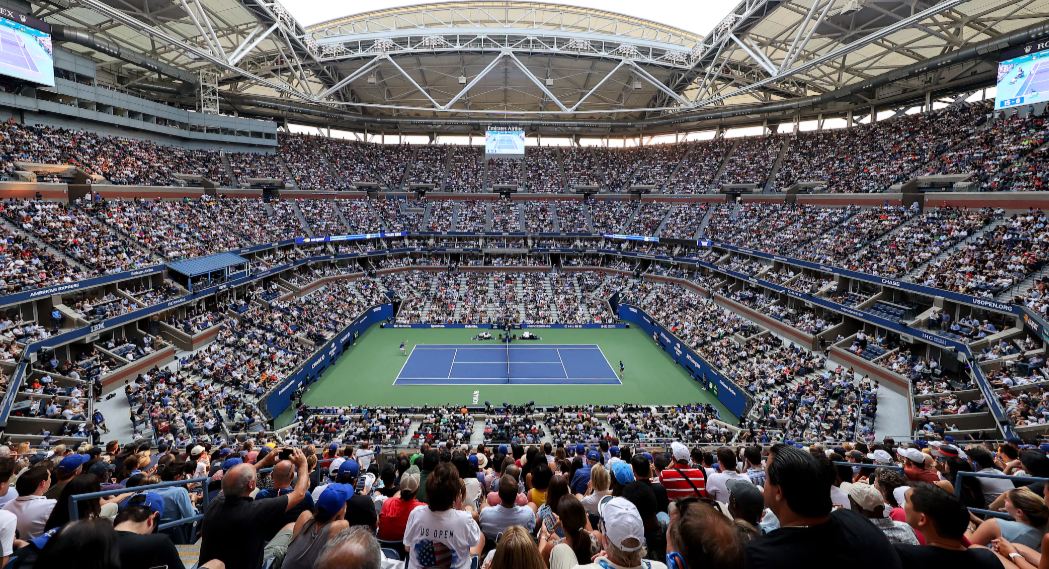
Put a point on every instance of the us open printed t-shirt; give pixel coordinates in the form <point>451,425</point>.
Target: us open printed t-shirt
<point>440,540</point>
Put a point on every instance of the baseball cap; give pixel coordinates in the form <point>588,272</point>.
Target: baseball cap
<point>613,451</point>
<point>911,453</point>
<point>648,456</point>
<point>623,525</point>
<point>409,482</point>
<point>102,470</point>
<point>225,452</point>
<point>151,500</point>
<point>855,454</point>
<point>593,456</point>
<point>349,468</point>
<point>41,541</point>
<point>880,456</point>
<point>502,449</point>
<point>473,460</point>
<point>73,462</point>
<point>680,451</point>
<point>230,463</point>
<point>948,451</point>
<point>949,439</point>
<point>867,496</point>
<point>748,496</point>
<point>333,498</point>
<point>1013,440</point>
<point>623,472</point>
<point>196,451</point>
<point>333,446</point>
<point>580,448</point>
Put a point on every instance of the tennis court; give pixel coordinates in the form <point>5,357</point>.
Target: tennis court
<point>465,364</point>
<point>1037,81</point>
<point>13,51</point>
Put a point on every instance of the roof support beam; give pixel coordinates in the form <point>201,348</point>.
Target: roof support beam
<point>659,84</point>
<point>537,82</point>
<point>346,80</point>
<point>412,81</point>
<point>789,60</point>
<point>474,81</point>
<point>622,62</point>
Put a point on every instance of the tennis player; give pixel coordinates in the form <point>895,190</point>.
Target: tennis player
<point>403,353</point>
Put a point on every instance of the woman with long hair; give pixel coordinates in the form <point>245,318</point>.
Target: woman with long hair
<point>1027,527</point>
<point>972,492</point>
<point>540,480</point>
<point>556,490</point>
<point>516,550</point>
<point>578,534</point>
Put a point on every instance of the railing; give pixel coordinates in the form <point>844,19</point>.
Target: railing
<point>958,489</point>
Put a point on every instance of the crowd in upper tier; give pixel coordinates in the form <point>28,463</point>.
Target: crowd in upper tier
<point>1000,154</point>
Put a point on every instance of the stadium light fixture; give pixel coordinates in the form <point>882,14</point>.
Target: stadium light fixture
<point>371,79</point>
<point>462,80</point>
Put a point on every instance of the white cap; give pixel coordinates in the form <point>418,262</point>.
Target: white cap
<point>867,496</point>
<point>623,523</point>
<point>196,450</point>
<point>880,456</point>
<point>912,453</point>
<point>680,451</point>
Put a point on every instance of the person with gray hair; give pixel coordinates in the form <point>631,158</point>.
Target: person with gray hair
<point>354,547</point>
<point>235,526</point>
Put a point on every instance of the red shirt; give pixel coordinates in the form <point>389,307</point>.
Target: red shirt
<point>678,486</point>
<point>921,475</point>
<point>394,517</point>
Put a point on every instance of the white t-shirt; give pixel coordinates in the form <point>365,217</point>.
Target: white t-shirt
<point>838,497</point>
<point>440,539</point>
<point>717,488</point>
<point>11,495</point>
<point>8,524</point>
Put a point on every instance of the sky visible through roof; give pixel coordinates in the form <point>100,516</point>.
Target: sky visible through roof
<point>693,16</point>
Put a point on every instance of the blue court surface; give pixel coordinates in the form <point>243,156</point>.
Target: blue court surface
<point>547,364</point>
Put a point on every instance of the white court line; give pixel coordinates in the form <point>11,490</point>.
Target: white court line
<point>453,363</point>
<point>399,372</point>
<point>562,363</point>
<point>610,365</point>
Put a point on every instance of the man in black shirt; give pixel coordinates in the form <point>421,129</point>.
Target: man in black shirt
<point>140,546</point>
<point>942,518</point>
<point>235,527</point>
<point>360,510</point>
<point>643,473</point>
<point>797,490</point>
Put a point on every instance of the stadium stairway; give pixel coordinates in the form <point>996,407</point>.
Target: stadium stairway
<point>944,254</point>
<point>555,220</point>
<point>600,172</point>
<point>342,218</point>
<point>659,230</point>
<point>229,168</point>
<point>703,223</point>
<point>770,182</point>
<point>488,217</point>
<point>426,212</point>
<point>302,219</point>
<point>724,162</point>
<point>884,236</point>
<point>629,221</point>
<point>586,215</point>
<point>561,166</point>
<point>521,215</point>
<point>323,156</point>
<point>455,217</point>
<point>287,171</point>
<point>43,246</point>
<point>189,554</point>
<point>1021,288</point>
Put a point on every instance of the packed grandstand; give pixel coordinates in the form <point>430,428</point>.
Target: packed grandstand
<point>264,307</point>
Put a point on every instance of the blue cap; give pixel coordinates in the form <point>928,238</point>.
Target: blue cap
<point>225,452</point>
<point>648,456</point>
<point>1045,448</point>
<point>73,462</point>
<point>580,448</point>
<point>788,442</point>
<point>333,498</point>
<point>151,500</point>
<point>921,444</point>
<point>502,449</point>
<point>623,473</point>
<point>1013,440</point>
<point>473,459</point>
<point>949,439</point>
<point>41,541</point>
<point>613,451</point>
<point>333,446</point>
<point>230,463</point>
<point>592,455</point>
<point>349,469</point>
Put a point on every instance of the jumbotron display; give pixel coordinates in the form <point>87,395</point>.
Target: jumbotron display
<point>504,142</point>
<point>25,48</point>
<point>1023,80</point>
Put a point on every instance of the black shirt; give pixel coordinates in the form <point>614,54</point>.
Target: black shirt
<point>147,551</point>
<point>234,530</point>
<point>847,540</point>
<point>360,511</point>
<point>925,556</point>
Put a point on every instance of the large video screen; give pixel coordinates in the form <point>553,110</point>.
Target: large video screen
<point>504,143</point>
<point>25,52</point>
<point>1023,80</point>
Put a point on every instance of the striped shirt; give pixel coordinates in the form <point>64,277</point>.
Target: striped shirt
<point>678,486</point>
